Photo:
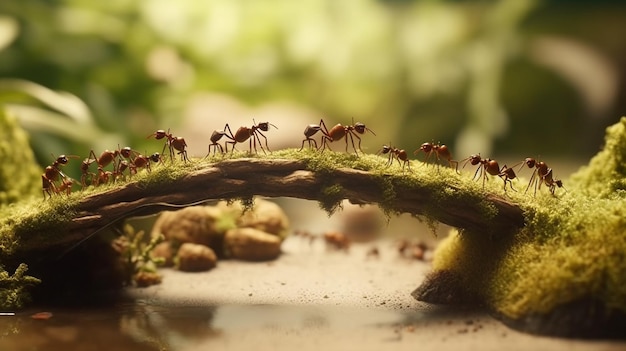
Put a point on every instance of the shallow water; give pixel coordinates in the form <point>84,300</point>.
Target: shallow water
<point>144,326</point>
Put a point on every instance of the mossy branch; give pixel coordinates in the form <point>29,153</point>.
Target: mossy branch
<point>246,177</point>
<point>433,192</point>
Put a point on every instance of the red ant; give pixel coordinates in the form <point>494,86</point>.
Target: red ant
<point>541,174</point>
<point>52,173</point>
<point>136,160</point>
<point>485,166</point>
<point>441,152</point>
<point>107,157</point>
<point>311,130</point>
<point>173,143</point>
<point>489,166</point>
<point>395,153</point>
<point>141,161</point>
<point>252,133</point>
<point>339,131</point>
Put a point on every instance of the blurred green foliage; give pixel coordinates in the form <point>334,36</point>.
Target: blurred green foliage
<point>472,74</point>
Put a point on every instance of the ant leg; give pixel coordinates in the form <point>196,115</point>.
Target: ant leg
<point>351,135</point>
<point>233,144</point>
<point>257,133</point>
<point>358,137</point>
<point>532,179</point>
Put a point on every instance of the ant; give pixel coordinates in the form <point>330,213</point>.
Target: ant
<point>441,151</point>
<point>52,173</point>
<point>141,161</point>
<point>395,153</point>
<point>135,160</point>
<point>252,133</point>
<point>485,166</point>
<point>172,143</point>
<point>106,157</point>
<point>541,174</point>
<point>339,131</point>
<point>489,166</point>
<point>311,130</point>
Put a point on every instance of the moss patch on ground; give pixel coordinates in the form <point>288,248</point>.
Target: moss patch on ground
<point>573,247</point>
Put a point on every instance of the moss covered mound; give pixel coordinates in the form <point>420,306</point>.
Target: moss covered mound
<point>564,273</point>
<point>19,174</point>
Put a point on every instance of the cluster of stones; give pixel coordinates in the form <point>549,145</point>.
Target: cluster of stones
<point>197,236</point>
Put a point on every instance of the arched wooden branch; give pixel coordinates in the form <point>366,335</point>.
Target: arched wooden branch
<point>241,178</point>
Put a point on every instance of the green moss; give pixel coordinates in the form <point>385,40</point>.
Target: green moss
<point>13,288</point>
<point>19,174</point>
<point>606,173</point>
<point>331,197</point>
<point>572,248</point>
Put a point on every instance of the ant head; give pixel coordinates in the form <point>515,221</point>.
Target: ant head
<point>126,151</point>
<point>62,159</point>
<point>160,134</point>
<point>361,128</point>
<point>265,126</point>
<point>155,157</point>
<point>530,162</point>
<point>385,149</point>
<point>427,147</point>
<point>475,159</point>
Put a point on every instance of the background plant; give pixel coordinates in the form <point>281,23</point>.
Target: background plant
<point>531,77</point>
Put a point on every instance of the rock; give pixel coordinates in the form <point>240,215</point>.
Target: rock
<point>205,225</point>
<point>145,279</point>
<point>195,258</point>
<point>251,244</point>
<point>266,216</point>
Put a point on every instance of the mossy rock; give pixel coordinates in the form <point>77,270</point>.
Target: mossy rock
<point>564,272</point>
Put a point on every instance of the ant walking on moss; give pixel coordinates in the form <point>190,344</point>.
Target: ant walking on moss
<point>106,157</point>
<point>541,174</point>
<point>173,143</point>
<point>253,134</point>
<point>340,131</point>
<point>491,167</point>
<point>52,173</point>
<point>441,151</point>
<point>397,154</point>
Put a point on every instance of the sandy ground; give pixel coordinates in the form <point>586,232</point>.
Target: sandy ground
<point>313,298</point>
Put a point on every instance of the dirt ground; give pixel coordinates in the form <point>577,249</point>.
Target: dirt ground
<point>314,298</point>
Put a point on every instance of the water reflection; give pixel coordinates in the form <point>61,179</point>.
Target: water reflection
<point>128,326</point>
<point>145,326</point>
